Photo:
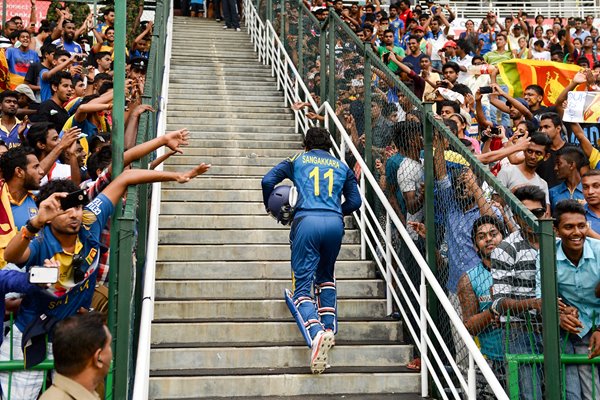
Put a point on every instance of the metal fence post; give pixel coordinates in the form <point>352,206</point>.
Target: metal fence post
<point>367,116</point>
<point>430,240</point>
<point>269,10</point>
<point>430,246</point>
<point>331,92</point>
<point>282,35</point>
<point>120,370</point>
<point>323,64</point>
<point>299,43</point>
<point>549,309</point>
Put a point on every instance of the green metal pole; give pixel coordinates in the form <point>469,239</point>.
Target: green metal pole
<point>368,126</point>
<point>282,35</point>
<point>117,140</point>
<point>331,92</point>
<point>549,309</point>
<point>323,63</point>
<point>430,244</point>
<point>430,239</point>
<point>299,42</point>
<point>3,13</point>
<point>270,10</point>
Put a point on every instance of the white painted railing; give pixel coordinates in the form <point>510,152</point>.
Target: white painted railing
<point>142,366</point>
<point>426,335</point>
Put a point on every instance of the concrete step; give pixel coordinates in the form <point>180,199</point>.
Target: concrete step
<point>248,109</point>
<point>250,128</point>
<point>243,144</point>
<point>198,137</point>
<point>230,115</point>
<point>186,100</point>
<point>262,83</point>
<point>275,333</point>
<point>204,236</point>
<point>264,252</point>
<point>230,208</point>
<point>253,67</point>
<point>250,270</point>
<point>229,92</point>
<point>226,71</point>
<point>210,182</point>
<point>209,59</point>
<point>187,222</point>
<point>284,384</point>
<point>178,194</point>
<point>276,357</point>
<point>181,310</point>
<point>239,161</point>
<point>201,97</point>
<point>260,289</point>
<point>199,153</point>
<point>339,396</point>
<point>225,170</point>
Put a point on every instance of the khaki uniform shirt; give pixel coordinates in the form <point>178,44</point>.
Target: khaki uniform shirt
<point>67,389</point>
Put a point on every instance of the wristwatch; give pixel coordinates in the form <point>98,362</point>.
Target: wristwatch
<point>29,226</point>
<point>494,308</point>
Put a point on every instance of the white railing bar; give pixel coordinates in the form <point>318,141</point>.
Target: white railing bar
<point>142,367</point>
<point>424,348</point>
<point>427,339</point>
<point>414,313</point>
<point>472,379</point>
<point>388,262</point>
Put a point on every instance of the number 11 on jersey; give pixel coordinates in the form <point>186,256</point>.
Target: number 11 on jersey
<point>314,174</point>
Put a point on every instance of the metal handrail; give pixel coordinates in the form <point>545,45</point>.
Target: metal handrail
<point>424,342</point>
<point>142,367</point>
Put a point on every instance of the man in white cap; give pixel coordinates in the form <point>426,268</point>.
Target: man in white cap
<point>26,101</point>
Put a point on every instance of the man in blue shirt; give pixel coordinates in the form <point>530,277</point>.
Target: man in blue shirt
<point>590,184</point>
<point>316,234</point>
<point>67,40</point>
<point>577,274</point>
<point>9,124</point>
<point>396,24</point>
<point>569,159</point>
<point>71,237</point>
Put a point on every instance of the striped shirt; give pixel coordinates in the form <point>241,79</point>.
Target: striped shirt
<point>514,270</point>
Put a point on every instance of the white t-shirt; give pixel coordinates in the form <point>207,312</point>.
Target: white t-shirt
<point>542,55</point>
<point>512,177</point>
<point>465,62</point>
<point>58,171</point>
<point>410,175</point>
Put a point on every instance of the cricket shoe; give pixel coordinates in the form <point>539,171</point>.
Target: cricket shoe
<point>321,345</point>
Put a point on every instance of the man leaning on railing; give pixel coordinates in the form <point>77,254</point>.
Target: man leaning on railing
<point>577,273</point>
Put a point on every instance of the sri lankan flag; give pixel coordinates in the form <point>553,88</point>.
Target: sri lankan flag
<point>552,76</point>
<point>7,224</point>
<point>4,74</point>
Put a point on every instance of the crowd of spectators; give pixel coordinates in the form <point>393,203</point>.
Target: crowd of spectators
<point>56,189</point>
<point>488,255</point>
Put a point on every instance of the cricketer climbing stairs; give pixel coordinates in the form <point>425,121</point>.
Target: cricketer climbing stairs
<point>221,328</point>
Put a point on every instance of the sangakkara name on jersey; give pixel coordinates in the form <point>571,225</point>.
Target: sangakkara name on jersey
<point>329,162</point>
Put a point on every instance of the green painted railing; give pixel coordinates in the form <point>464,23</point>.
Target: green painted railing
<point>130,227</point>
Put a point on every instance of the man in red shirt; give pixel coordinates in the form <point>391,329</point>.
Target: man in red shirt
<point>405,12</point>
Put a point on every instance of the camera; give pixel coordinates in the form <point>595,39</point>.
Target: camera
<point>494,131</point>
<point>486,90</point>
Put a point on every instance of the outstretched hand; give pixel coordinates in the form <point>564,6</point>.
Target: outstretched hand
<point>176,139</point>
<point>191,174</point>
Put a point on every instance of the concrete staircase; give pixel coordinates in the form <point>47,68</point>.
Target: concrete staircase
<point>221,327</point>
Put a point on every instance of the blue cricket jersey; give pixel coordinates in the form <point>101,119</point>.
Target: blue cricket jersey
<point>320,179</point>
